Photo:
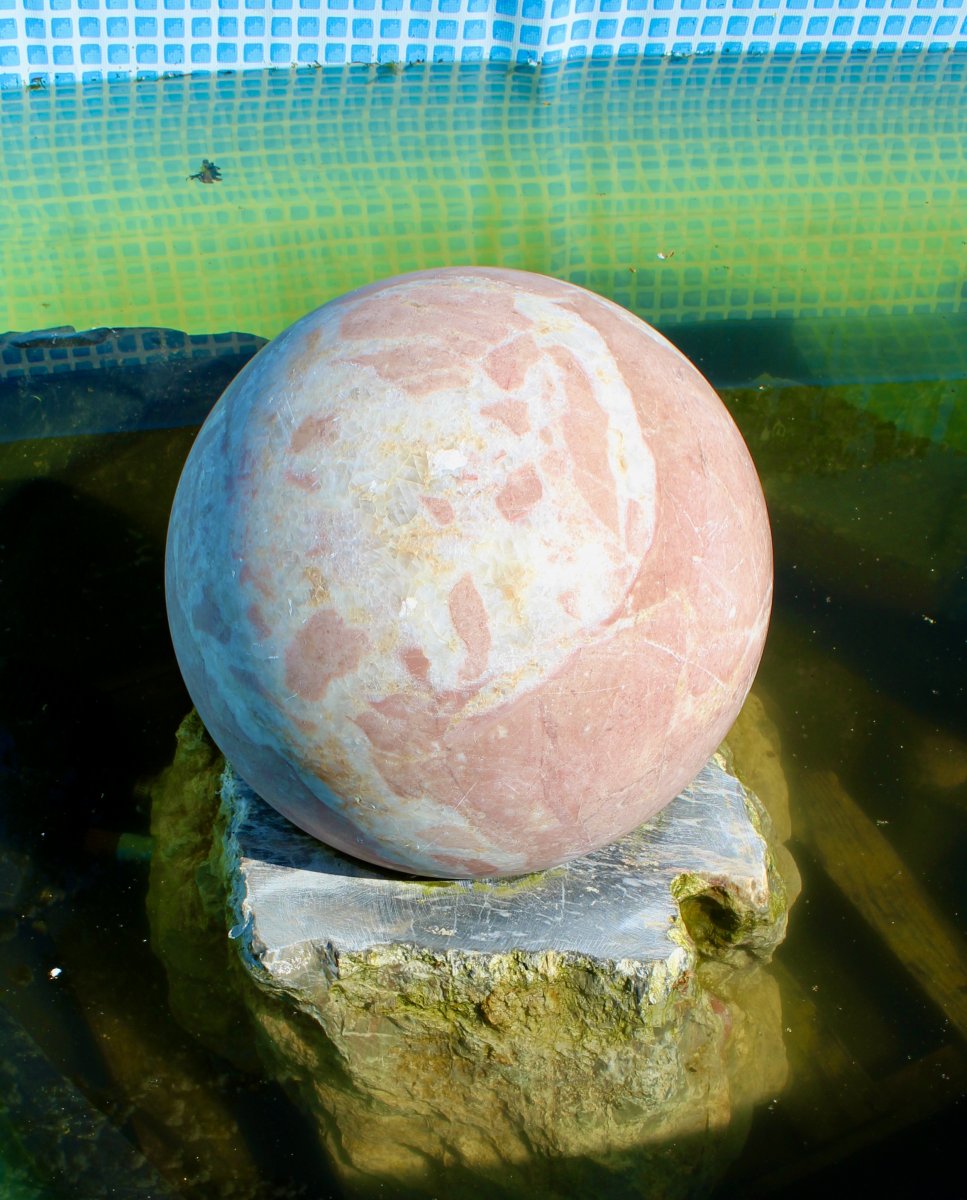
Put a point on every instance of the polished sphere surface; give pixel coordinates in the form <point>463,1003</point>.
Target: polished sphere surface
<point>469,572</point>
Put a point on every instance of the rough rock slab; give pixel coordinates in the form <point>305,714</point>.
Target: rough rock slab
<point>562,1042</point>
<point>605,1027</point>
<point>619,903</point>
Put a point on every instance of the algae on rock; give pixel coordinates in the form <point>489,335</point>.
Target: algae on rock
<point>186,902</point>
<point>603,1027</point>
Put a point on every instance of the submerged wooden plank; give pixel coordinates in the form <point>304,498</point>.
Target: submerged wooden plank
<point>871,874</point>
<point>71,1143</point>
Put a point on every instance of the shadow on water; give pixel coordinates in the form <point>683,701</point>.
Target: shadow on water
<point>89,698</point>
<point>82,643</point>
<point>736,352</point>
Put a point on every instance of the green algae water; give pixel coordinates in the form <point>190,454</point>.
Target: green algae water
<point>699,189</point>
<point>824,196</point>
<point>799,227</point>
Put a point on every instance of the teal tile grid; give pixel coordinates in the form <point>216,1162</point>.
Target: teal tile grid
<point>66,41</point>
<point>692,190</point>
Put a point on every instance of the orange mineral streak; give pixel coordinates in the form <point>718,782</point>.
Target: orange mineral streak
<point>432,370</point>
<point>322,650</point>
<point>568,602</point>
<point>513,413</point>
<point>403,732</point>
<point>565,752</point>
<point>461,865</point>
<point>314,431</point>
<point>520,493</point>
<point>416,662</point>
<point>508,364</point>
<point>430,307</point>
<point>439,509</point>
<point>450,338</point>
<point>585,431</point>
<point>470,620</point>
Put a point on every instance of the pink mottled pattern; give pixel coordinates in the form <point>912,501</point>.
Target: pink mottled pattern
<point>469,572</point>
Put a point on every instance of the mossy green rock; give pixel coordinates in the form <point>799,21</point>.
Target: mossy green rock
<point>604,1028</point>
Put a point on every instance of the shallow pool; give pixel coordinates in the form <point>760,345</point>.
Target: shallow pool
<point>798,226</point>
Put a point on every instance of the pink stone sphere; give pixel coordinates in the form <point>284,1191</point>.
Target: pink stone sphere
<point>469,572</point>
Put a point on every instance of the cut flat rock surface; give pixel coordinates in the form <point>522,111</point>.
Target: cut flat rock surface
<point>619,903</point>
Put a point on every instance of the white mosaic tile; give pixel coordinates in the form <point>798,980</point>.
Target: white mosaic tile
<point>70,41</point>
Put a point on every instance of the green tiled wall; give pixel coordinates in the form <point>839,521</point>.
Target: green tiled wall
<point>699,189</point>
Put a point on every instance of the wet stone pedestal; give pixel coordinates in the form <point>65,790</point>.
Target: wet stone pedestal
<point>604,1028</point>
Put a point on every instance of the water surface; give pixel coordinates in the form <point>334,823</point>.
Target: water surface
<point>798,226</point>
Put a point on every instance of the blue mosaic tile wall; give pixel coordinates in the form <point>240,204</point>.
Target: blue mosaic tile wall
<point>69,41</point>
